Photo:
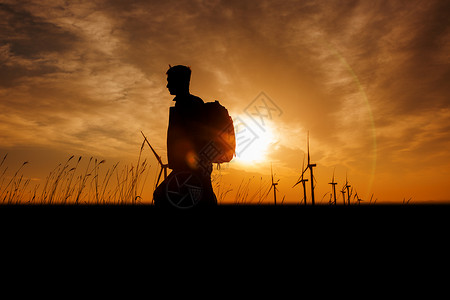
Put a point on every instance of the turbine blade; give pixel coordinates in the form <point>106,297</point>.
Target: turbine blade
<point>307,143</point>
<point>301,176</point>
<point>305,171</point>
<point>271,172</point>
<point>333,174</point>
<point>303,163</point>
<point>158,158</point>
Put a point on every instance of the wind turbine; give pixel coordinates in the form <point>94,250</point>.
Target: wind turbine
<point>347,186</point>
<point>274,187</point>
<point>302,180</point>
<point>158,158</point>
<point>310,166</point>
<point>333,184</point>
<point>343,195</point>
<point>357,198</point>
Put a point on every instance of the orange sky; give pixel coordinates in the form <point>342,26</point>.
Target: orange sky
<point>368,80</point>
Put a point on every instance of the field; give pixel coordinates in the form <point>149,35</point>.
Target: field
<point>81,180</point>
<point>72,183</point>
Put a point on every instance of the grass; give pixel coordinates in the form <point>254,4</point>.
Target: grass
<point>68,183</point>
<point>16,186</point>
<point>88,181</point>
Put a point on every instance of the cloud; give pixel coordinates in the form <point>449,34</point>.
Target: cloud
<point>65,84</point>
<point>30,35</point>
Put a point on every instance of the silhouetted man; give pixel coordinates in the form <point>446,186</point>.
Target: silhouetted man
<point>189,183</point>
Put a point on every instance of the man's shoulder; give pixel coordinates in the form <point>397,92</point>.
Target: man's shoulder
<point>189,103</point>
<point>196,99</point>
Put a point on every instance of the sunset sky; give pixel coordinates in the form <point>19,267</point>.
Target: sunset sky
<point>369,80</point>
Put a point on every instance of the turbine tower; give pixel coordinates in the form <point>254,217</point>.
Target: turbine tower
<point>303,180</point>
<point>358,200</point>
<point>310,167</point>
<point>274,187</point>
<point>343,194</point>
<point>333,184</point>
<point>347,186</point>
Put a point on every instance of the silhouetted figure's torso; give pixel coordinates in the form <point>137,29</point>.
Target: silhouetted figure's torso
<point>185,133</point>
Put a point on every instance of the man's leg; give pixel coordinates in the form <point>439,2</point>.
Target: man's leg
<point>160,193</point>
<point>208,198</point>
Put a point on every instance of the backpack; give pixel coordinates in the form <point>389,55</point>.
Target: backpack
<point>220,143</point>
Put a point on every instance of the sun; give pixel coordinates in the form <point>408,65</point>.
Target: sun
<point>252,142</point>
<point>255,152</point>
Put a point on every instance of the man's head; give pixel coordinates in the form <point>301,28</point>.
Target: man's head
<point>178,79</point>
